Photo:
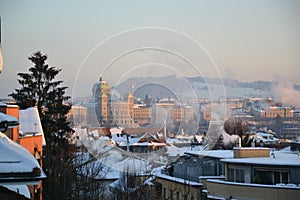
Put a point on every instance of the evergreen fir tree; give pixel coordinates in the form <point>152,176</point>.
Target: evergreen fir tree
<point>38,88</point>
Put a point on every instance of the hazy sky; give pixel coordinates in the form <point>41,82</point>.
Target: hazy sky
<point>247,40</point>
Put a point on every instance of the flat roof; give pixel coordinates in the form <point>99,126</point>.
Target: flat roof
<point>278,186</point>
<point>178,180</point>
<point>281,159</point>
<point>221,154</point>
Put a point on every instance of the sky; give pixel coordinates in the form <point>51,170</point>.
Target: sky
<point>245,40</point>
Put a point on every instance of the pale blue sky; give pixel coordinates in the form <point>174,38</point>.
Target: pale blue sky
<point>248,40</point>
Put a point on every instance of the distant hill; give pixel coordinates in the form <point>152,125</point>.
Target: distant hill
<point>170,86</point>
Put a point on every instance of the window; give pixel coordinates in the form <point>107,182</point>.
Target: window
<point>165,193</point>
<point>231,174</point>
<point>171,194</point>
<point>281,177</point>
<point>37,155</point>
<point>177,196</point>
<point>236,175</point>
<point>263,176</point>
<point>240,175</point>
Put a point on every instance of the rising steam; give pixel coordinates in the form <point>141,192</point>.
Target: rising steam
<point>286,93</point>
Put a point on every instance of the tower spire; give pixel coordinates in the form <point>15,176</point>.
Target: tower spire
<point>132,87</point>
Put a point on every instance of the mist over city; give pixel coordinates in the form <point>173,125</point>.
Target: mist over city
<point>150,100</point>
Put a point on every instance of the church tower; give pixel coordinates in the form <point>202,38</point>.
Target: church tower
<point>131,102</point>
<point>101,96</point>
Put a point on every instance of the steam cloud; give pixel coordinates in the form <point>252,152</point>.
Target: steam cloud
<point>221,113</point>
<point>286,93</point>
<point>229,139</point>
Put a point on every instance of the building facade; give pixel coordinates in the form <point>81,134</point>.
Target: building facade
<point>101,96</point>
<point>110,112</point>
<point>142,113</point>
<point>254,174</point>
<point>78,116</point>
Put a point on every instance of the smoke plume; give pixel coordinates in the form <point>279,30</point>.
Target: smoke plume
<point>286,93</point>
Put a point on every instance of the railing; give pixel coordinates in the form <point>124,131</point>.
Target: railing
<point>225,189</point>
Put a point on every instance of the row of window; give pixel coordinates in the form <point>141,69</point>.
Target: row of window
<point>171,195</point>
<point>261,176</point>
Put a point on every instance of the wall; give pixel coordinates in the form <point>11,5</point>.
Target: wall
<point>178,189</point>
<point>192,167</point>
<point>251,152</point>
<point>245,191</point>
<point>30,142</point>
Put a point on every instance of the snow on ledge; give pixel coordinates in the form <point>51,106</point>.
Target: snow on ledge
<point>289,186</point>
<point>14,158</point>
<point>19,189</point>
<point>30,122</point>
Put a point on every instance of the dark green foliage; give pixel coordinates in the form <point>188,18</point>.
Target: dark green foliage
<point>38,88</point>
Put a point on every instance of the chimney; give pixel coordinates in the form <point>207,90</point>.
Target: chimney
<point>253,144</point>
<point>240,142</point>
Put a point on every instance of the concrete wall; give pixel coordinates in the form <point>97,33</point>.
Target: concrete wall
<point>173,188</point>
<point>245,191</point>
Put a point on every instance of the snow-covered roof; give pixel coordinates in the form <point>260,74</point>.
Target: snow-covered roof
<point>212,153</point>
<point>114,162</point>
<point>10,121</point>
<point>8,105</point>
<point>133,165</point>
<point>280,159</point>
<point>15,159</point>
<point>5,117</point>
<point>265,137</point>
<point>178,180</point>
<point>122,139</point>
<point>30,122</point>
<point>20,189</point>
<point>178,141</point>
<point>172,150</point>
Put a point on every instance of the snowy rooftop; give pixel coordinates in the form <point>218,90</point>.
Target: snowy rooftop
<point>113,163</point>
<point>265,137</point>
<point>281,159</point>
<point>15,159</point>
<point>178,180</point>
<point>175,151</point>
<point>20,189</point>
<point>212,153</point>
<point>9,121</point>
<point>30,122</point>
<point>4,117</point>
<point>8,105</point>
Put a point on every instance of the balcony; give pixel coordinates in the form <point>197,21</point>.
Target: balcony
<point>220,189</point>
